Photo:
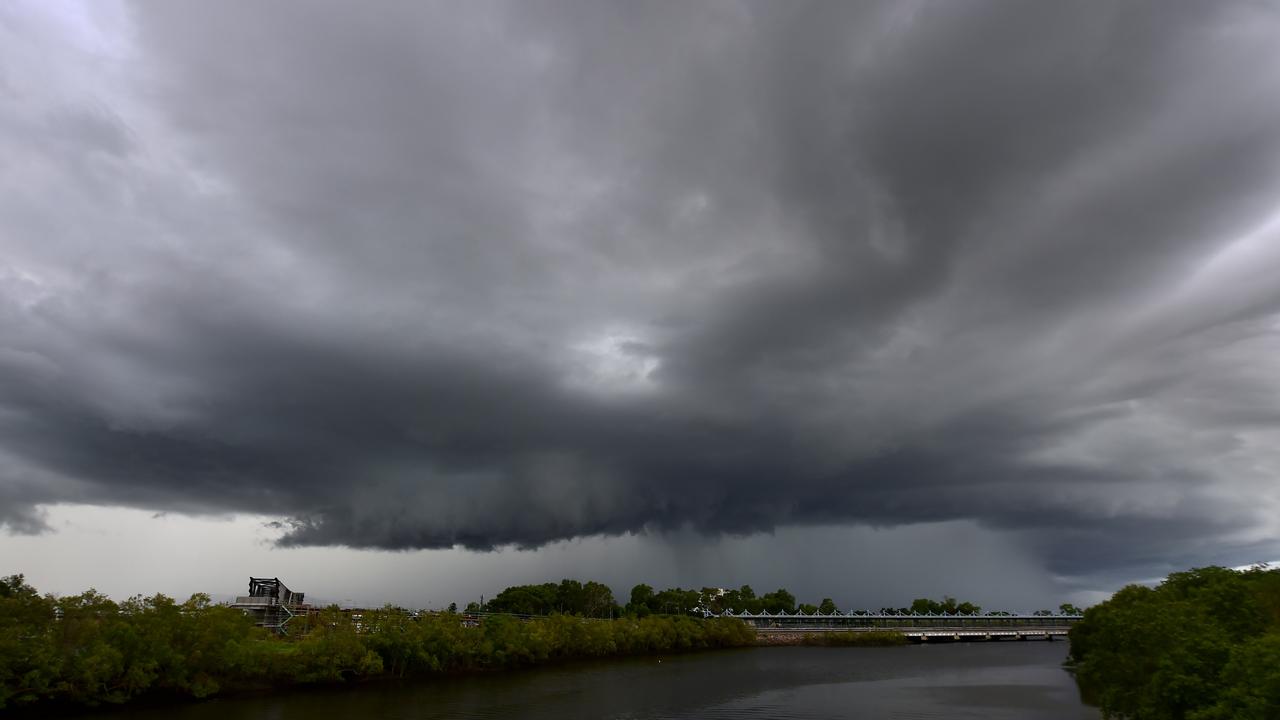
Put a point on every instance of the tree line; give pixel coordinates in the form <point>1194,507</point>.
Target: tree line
<point>569,597</point>
<point>594,599</point>
<point>1203,645</point>
<point>89,650</point>
<point>645,600</point>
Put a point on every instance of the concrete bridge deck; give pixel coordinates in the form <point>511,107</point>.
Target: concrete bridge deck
<point>899,620</point>
<point>937,634</point>
<point>919,627</point>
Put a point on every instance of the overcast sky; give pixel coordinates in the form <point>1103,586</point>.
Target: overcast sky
<point>876,300</point>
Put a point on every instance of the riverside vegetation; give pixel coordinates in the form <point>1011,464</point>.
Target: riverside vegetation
<point>1203,645</point>
<point>88,650</point>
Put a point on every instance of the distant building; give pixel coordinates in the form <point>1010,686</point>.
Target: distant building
<point>270,603</point>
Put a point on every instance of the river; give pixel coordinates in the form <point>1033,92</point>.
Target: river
<point>1023,680</point>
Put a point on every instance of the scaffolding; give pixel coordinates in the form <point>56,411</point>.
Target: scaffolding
<point>271,604</point>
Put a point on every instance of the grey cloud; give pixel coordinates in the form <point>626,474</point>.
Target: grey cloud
<point>423,275</point>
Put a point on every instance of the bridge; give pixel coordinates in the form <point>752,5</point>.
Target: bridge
<point>920,627</point>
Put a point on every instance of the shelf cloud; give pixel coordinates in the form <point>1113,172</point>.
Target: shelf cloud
<point>425,275</point>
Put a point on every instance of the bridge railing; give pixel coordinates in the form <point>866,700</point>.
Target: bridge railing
<point>872,620</point>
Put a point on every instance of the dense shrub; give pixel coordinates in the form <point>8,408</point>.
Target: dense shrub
<point>1203,645</point>
<point>89,650</point>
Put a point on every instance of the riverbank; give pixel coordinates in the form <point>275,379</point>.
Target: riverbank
<point>87,650</point>
<point>874,638</point>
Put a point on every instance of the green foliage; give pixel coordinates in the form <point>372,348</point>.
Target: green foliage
<point>88,650</point>
<point>779,601</point>
<point>1203,645</point>
<point>641,597</point>
<point>1250,683</point>
<point>741,600</point>
<point>678,601</point>
<point>28,667</point>
<point>526,600</point>
<point>947,605</point>
<point>570,597</point>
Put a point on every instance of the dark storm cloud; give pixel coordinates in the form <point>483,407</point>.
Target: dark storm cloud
<point>428,274</point>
